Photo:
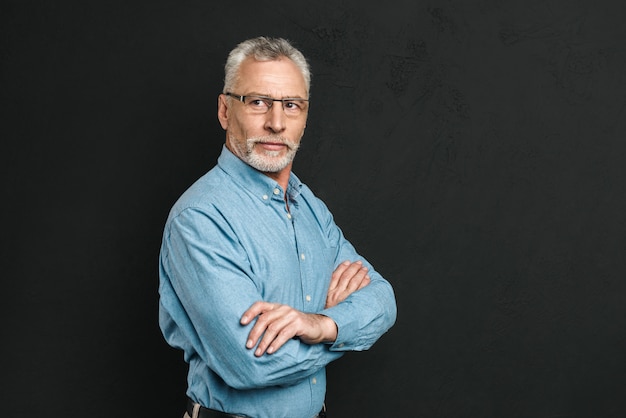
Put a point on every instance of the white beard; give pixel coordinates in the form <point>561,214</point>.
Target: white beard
<point>266,161</point>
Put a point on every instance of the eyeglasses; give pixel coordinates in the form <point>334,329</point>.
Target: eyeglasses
<point>262,104</point>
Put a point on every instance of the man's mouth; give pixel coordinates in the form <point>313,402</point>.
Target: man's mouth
<point>272,146</point>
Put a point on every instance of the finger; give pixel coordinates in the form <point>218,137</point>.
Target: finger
<point>336,276</point>
<point>259,310</point>
<point>257,331</point>
<point>255,310</point>
<point>356,281</point>
<point>278,330</point>
<point>361,284</point>
<point>366,281</point>
<point>276,339</point>
<point>268,324</point>
<point>348,275</point>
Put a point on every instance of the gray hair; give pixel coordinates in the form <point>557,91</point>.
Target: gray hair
<point>263,49</point>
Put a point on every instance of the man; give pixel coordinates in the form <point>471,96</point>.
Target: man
<point>258,286</point>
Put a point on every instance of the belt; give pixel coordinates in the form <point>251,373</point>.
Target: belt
<point>212,413</point>
<point>207,413</point>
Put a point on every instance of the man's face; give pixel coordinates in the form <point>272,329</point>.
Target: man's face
<point>266,141</point>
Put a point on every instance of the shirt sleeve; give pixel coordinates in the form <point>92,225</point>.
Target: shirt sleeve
<point>366,314</point>
<point>206,284</point>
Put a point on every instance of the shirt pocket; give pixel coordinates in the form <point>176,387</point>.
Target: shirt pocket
<point>320,263</point>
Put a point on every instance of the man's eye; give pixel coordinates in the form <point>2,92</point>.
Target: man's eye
<point>258,103</point>
<point>293,105</point>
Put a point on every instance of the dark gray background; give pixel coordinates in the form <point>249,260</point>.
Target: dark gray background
<point>473,151</point>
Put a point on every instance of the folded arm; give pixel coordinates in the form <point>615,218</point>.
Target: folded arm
<point>276,323</point>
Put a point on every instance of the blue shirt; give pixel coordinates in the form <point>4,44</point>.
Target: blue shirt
<point>230,241</point>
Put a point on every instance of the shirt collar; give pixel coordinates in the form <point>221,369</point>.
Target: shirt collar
<point>256,182</point>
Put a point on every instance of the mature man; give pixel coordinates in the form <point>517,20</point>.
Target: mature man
<point>258,285</point>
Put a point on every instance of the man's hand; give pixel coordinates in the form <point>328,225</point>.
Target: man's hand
<point>346,279</point>
<point>276,324</point>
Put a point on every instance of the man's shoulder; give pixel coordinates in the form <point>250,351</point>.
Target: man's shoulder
<point>207,190</point>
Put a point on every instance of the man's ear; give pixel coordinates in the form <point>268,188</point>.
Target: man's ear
<point>222,110</point>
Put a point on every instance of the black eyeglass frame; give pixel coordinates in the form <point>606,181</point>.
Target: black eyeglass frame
<point>242,99</point>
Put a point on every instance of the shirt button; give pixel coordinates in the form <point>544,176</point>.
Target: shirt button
<point>289,216</point>
<point>340,345</point>
<point>265,197</point>
<point>314,380</point>
<point>276,191</point>
<point>308,298</point>
<point>302,257</point>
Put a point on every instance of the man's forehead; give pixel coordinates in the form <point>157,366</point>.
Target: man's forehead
<point>280,76</point>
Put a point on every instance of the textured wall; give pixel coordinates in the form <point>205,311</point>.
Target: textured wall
<point>473,151</point>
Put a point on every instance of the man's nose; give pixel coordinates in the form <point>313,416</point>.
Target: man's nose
<point>275,118</point>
